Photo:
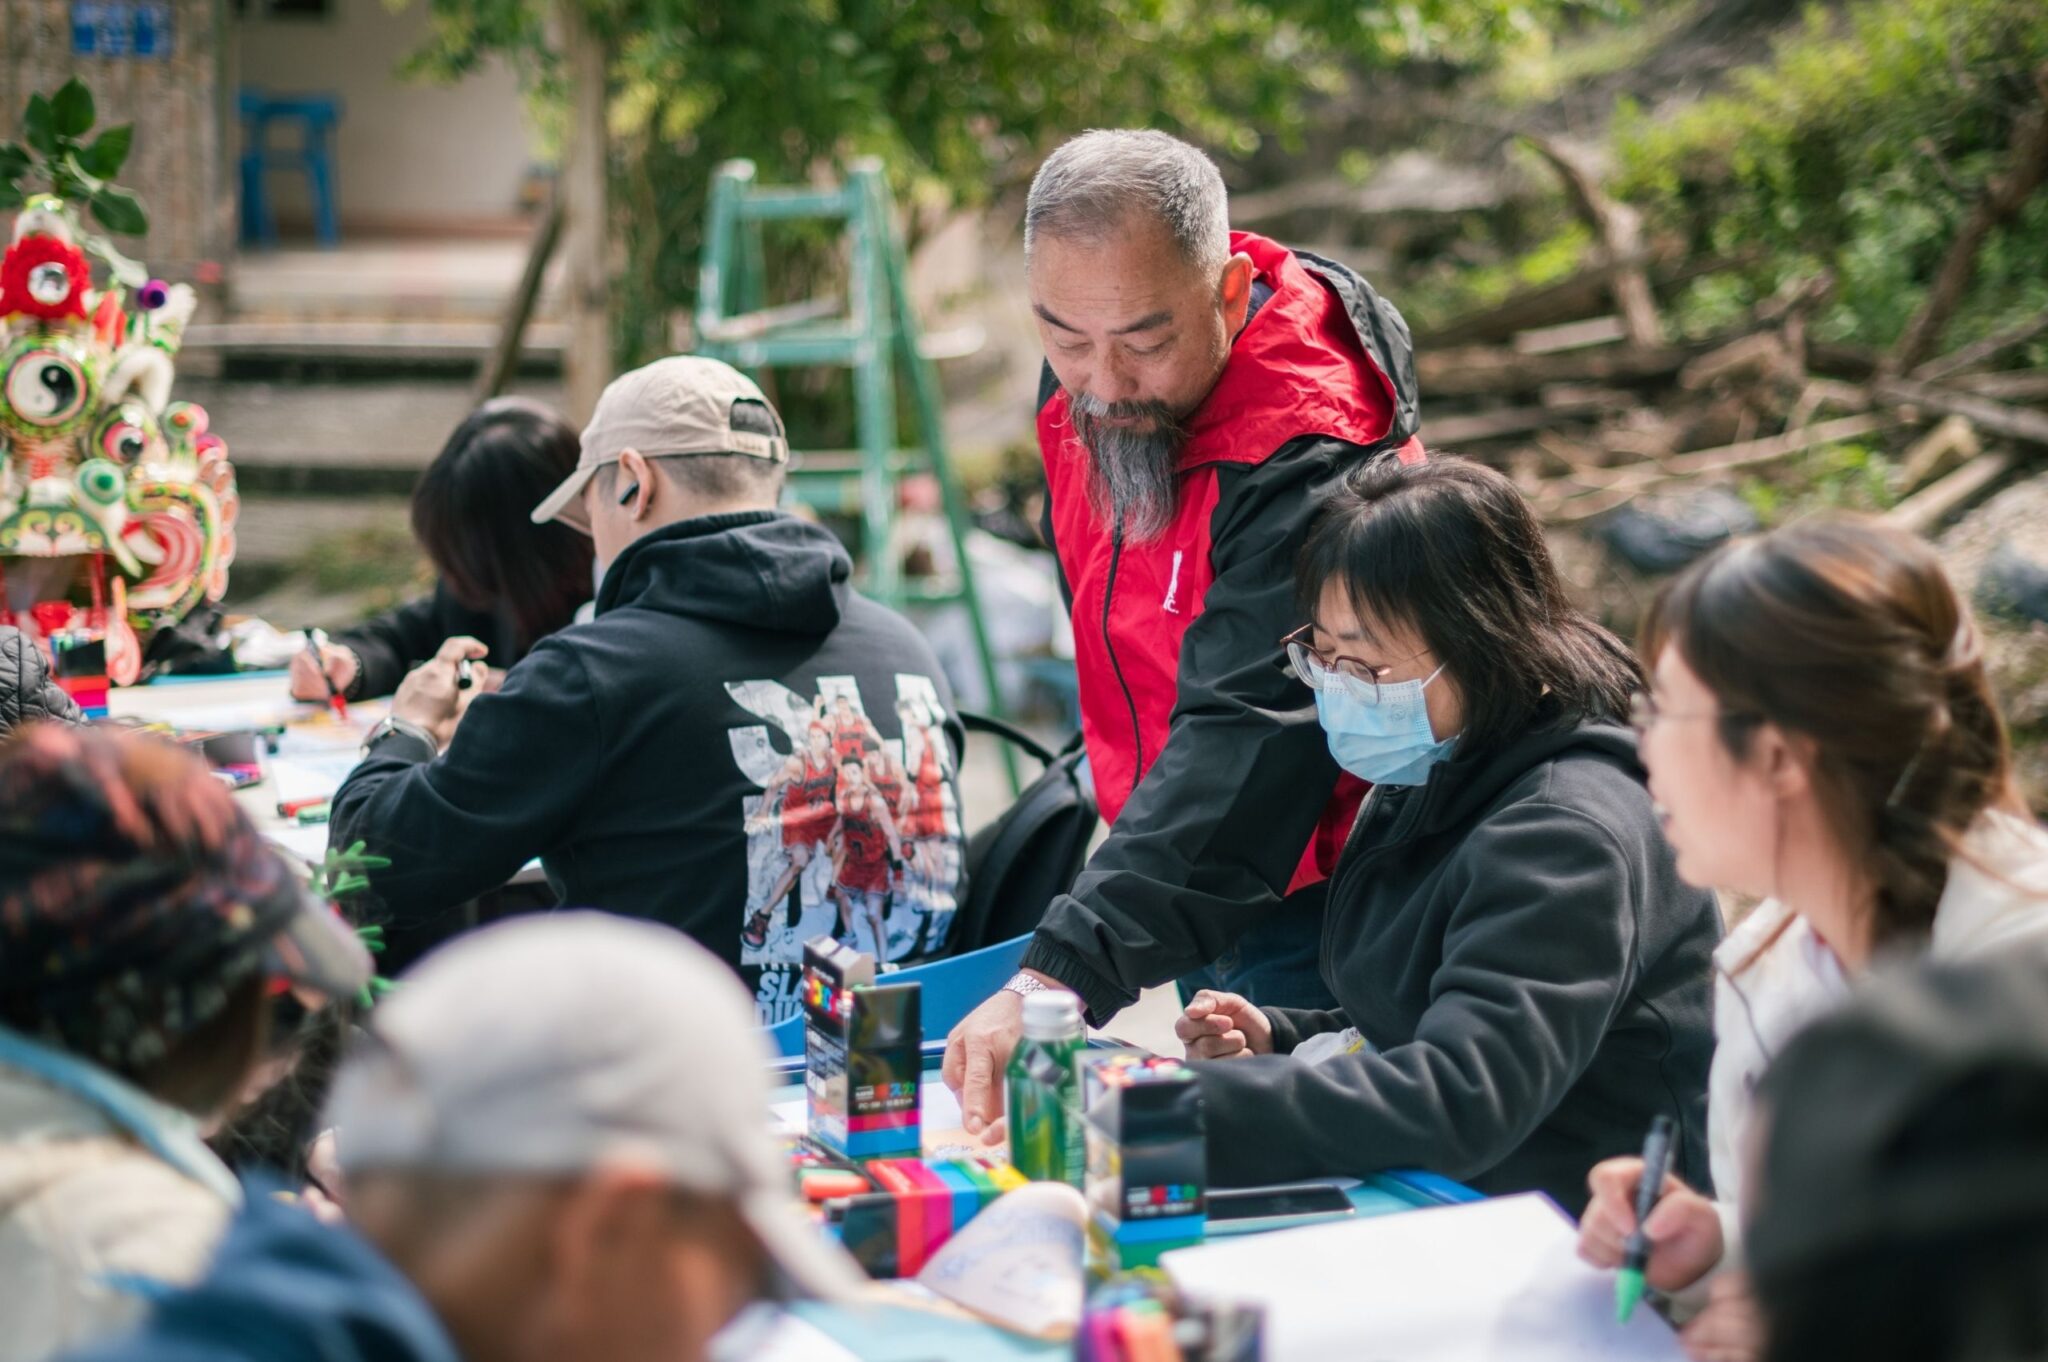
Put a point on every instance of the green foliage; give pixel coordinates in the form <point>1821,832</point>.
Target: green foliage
<point>58,158</point>
<point>958,96</point>
<point>1848,476</point>
<point>1859,148</point>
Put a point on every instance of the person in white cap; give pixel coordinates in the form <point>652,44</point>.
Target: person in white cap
<point>651,757</point>
<point>554,1140</point>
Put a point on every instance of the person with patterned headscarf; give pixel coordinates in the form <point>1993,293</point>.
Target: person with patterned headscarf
<point>146,935</point>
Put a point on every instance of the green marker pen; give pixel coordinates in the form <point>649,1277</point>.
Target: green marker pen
<point>1635,1256</point>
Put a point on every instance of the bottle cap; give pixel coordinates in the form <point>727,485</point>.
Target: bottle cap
<point>1052,1014</point>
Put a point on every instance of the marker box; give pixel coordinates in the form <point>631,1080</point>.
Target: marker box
<point>79,662</point>
<point>1147,1166</point>
<point>863,1057</point>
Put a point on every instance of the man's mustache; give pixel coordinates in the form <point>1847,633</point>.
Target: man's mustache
<point>1140,409</point>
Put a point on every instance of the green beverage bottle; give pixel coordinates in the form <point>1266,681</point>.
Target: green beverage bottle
<point>1046,1143</point>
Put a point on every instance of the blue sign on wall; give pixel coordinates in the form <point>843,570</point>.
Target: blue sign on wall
<point>121,28</point>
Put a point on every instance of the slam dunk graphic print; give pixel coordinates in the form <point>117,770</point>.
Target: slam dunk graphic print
<point>856,831</point>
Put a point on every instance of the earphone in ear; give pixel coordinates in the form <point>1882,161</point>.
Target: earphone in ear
<point>626,497</point>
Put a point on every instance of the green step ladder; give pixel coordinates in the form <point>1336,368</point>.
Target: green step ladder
<point>872,332</point>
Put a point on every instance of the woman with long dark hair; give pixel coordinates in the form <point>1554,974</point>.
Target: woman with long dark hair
<point>1521,976</point>
<point>504,580</point>
<point>1820,734</point>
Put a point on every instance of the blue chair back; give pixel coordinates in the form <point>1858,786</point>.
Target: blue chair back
<point>952,988</point>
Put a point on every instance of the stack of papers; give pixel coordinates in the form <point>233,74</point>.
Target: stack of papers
<point>1474,1283</point>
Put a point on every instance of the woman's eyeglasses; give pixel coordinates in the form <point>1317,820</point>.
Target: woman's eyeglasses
<point>1320,669</point>
<point>1644,713</point>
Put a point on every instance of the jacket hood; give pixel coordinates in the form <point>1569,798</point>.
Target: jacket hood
<point>762,569</point>
<point>1997,893</point>
<point>284,1286</point>
<point>1466,782</point>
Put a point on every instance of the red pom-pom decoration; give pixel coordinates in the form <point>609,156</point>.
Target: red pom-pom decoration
<point>41,276</point>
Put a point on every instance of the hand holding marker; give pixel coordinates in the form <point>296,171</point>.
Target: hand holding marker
<point>316,643</point>
<point>1635,1259</point>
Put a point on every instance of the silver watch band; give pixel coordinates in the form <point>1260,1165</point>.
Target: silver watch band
<point>391,726</point>
<point>1023,984</point>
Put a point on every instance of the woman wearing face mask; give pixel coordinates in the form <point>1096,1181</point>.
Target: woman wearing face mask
<point>1820,733</point>
<point>1518,967</point>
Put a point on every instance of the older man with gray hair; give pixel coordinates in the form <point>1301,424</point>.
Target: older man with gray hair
<point>1202,389</point>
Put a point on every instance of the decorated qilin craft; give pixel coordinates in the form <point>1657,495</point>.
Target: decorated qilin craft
<point>117,505</point>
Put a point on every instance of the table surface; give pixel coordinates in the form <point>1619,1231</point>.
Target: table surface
<point>890,1334</point>
<point>313,757</point>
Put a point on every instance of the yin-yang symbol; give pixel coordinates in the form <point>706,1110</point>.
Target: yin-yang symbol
<point>45,387</point>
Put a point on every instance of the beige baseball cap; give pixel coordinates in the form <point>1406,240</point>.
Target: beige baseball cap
<point>679,405</point>
<point>550,1046</point>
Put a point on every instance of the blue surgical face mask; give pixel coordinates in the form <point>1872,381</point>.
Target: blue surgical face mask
<point>1387,741</point>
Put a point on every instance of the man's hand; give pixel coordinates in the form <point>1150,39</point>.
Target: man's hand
<point>338,663</point>
<point>1223,1026</point>
<point>1684,1230</point>
<point>978,1052</point>
<point>1731,1328</point>
<point>430,695</point>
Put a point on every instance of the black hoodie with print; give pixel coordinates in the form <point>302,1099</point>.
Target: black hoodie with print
<point>738,744</point>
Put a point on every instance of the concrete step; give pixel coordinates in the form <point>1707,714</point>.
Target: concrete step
<point>339,439</point>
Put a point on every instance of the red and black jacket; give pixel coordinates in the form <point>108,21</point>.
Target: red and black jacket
<point>1207,757</point>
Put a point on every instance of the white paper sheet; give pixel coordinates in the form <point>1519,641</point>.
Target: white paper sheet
<point>1475,1283</point>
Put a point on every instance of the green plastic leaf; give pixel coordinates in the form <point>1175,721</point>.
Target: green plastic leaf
<point>126,272</point>
<point>72,110</point>
<point>120,211</point>
<point>38,124</point>
<point>108,152</point>
<point>14,160</point>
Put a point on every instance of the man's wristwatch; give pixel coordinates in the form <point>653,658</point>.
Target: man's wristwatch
<point>1024,984</point>
<point>392,725</point>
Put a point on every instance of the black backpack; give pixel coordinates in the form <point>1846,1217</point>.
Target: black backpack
<point>1033,853</point>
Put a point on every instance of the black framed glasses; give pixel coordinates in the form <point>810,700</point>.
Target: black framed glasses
<point>1644,713</point>
<point>1321,670</point>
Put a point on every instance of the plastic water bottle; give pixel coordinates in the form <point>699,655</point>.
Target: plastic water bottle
<point>1046,1141</point>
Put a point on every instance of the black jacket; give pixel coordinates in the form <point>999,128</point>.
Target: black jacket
<point>652,759</point>
<point>1530,976</point>
<point>26,691</point>
<point>393,643</point>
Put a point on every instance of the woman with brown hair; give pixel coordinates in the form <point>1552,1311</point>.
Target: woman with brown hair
<point>1820,734</point>
<point>147,935</point>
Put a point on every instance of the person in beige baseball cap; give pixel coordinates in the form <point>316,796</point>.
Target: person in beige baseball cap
<point>554,1143</point>
<point>697,422</point>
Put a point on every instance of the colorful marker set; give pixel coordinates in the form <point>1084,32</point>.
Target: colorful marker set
<point>79,662</point>
<point>863,1059</point>
<point>892,1215</point>
<point>1147,1165</point>
<point>1133,1321</point>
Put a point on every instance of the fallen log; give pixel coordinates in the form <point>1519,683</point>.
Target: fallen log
<point>1488,372</point>
<point>1983,351</point>
<point>2015,423</point>
<point>1931,505</point>
<point>1938,452</point>
<point>2002,199</point>
<point>1620,229</point>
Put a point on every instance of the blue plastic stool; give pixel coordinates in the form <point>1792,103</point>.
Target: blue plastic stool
<point>951,989</point>
<point>317,117</point>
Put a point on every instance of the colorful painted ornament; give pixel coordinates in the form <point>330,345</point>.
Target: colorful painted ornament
<point>117,505</point>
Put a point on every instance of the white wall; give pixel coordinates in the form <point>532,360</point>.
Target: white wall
<point>409,154</point>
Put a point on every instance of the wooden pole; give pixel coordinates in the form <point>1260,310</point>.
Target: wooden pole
<point>504,357</point>
<point>585,235</point>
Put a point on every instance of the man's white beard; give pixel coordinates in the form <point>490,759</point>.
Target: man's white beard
<point>1134,479</point>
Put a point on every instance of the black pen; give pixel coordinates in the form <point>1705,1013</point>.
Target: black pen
<point>1635,1255</point>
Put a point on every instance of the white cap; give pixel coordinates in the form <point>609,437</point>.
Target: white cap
<point>679,405</point>
<point>553,1045</point>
